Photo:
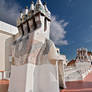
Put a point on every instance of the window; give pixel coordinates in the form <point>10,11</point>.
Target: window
<point>34,23</point>
<point>45,24</point>
<point>28,27</point>
<point>37,20</point>
<point>25,28</point>
<point>31,26</point>
<point>20,28</point>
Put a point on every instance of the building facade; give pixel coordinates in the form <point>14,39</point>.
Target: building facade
<point>7,35</point>
<point>79,68</point>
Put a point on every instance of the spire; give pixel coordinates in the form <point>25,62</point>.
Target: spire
<point>32,6</point>
<point>26,10</point>
<point>39,2</point>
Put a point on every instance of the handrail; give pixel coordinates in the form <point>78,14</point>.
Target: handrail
<point>2,74</point>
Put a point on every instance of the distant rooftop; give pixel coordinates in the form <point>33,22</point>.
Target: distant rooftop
<point>5,27</point>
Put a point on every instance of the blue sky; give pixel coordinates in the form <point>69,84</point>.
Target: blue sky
<point>74,17</point>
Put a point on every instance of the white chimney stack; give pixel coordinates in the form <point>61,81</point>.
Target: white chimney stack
<point>21,14</point>
<point>32,6</point>
<point>26,10</point>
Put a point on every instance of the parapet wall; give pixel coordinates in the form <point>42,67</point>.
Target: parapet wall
<point>79,72</point>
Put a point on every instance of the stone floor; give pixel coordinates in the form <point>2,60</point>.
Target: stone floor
<point>76,86</point>
<point>4,85</point>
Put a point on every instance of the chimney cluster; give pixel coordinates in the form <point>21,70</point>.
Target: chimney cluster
<point>34,9</point>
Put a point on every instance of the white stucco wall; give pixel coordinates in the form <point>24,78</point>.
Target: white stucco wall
<point>30,78</point>
<point>45,79</point>
<point>40,34</point>
<point>5,27</point>
<point>18,79</point>
<point>8,53</point>
<point>3,38</point>
<point>6,37</point>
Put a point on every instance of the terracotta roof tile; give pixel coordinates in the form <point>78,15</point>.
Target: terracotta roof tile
<point>71,63</point>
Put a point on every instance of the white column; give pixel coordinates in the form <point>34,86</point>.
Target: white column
<point>57,73</point>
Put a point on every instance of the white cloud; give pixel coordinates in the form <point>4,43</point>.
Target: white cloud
<point>58,31</point>
<point>9,11</point>
<point>88,41</point>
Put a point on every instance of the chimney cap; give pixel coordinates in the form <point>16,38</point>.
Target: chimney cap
<point>44,3</point>
<point>32,2</point>
<point>26,7</point>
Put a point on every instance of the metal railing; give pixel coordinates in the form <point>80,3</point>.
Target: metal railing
<point>2,74</point>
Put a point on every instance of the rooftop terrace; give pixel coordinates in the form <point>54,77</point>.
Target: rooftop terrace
<point>75,86</point>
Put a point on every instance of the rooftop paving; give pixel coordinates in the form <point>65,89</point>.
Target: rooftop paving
<point>75,86</point>
<point>4,85</point>
<point>80,86</point>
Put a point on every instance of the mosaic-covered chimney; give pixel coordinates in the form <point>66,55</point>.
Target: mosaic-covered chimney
<point>38,17</point>
<point>82,55</point>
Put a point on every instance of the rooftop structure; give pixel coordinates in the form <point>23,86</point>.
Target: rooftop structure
<point>7,36</point>
<point>83,55</point>
<point>78,68</point>
<point>36,61</point>
<point>33,12</point>
<point>7,28</point>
